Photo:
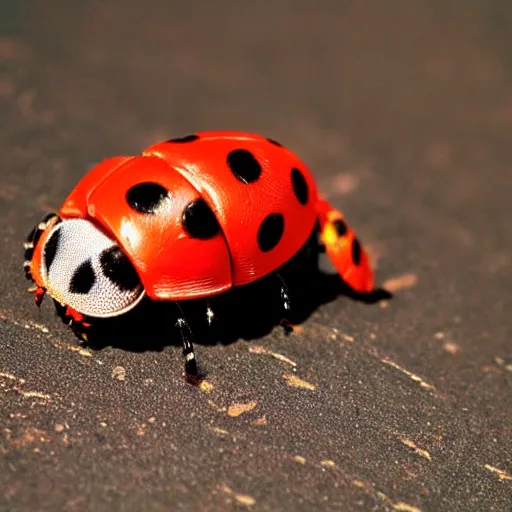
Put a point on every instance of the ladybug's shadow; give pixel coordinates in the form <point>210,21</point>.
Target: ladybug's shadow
<point>249,312</point>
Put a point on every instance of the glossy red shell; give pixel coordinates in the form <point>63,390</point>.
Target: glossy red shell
<point>171,264</point>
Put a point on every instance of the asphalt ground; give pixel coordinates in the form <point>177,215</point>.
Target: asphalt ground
<point>403,110</point>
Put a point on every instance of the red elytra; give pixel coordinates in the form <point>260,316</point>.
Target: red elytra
<point>199,215</point>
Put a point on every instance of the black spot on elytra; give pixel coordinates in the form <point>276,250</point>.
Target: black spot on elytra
<point>300,187</point>
<point>244,165</point>
<point>118,269</point>
<point>340,227</point>
<point>146,197</point>
<point>270,231</point>
<point>187,138</point>
<point>83,279</point>
<point>272,141</point>
<point>50,249</point>
<point>356,251</point>
<point>199,221</point>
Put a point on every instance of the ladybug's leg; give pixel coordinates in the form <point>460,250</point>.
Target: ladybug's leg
<point>286,305</point>
<point>188,346</point>
<point>78,323</point>
<point>344,249</point>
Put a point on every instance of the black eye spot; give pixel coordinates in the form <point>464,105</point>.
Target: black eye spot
<point>146,197</point>
<point>244,165</point>
<point>188,138</point>
<point>83,279</point>
<point>50,249</point>
<point>356,251</point>
<point>272,141</point>
<point>300,187</point>
<point>270,232</point>
<point>118,269</point>
<point>340,227</point>
<point>199,221</point>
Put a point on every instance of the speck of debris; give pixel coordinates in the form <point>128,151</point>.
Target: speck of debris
<point>119,373</point>
<point>141,431</point>
<point>258,349</point>
<point>299,459</point>
<point>220,431</point>
<point>404,507</point>
<point>502,475</point>
<point>501,362</point>
<point>489,368</point>
<point>241,408</point>
<point>400,282</point>
<point>327,463</point>
<point>40,327</point>
<point>395,505</point>
<point>206,386</point>
<point>260,421</point>
<point>29,436</point>
<point>152,419</point>
<point>414,377</point>
<point>82,351</point>
<point>211,403</point>
<point>296,382</point>
<point>419,451</point>
<point>73,348</point>
<point>103,424</point>
<point>34,394</point>
<point>243,499</point>
<point>451,347</point>
<point>10,376</point>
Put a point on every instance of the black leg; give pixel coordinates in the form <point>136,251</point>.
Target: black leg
<point>32,240</point>
<point>188,346</point>
<point>80,328</point>
<point>286,305</point>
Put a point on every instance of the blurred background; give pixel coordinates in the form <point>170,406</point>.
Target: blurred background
<point>403,110</point>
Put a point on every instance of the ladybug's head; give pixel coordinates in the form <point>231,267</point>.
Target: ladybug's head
<point>79,266</point>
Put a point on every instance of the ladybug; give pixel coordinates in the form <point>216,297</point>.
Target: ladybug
<point>188,218</point>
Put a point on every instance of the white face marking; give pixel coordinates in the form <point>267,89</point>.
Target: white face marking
<point>83,268</point>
